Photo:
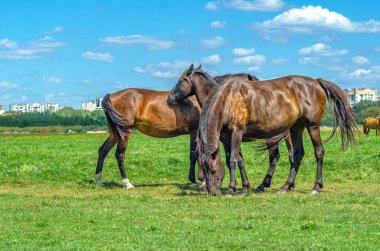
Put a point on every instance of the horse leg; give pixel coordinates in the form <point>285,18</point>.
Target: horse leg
<point>295,160</point>
<point>120,154</point>
<point>315,136</point>
<point>102,154</point>
<point>274,156</point>
<point>236,138</point>
<point>193,159</point>
<point>244,177</point>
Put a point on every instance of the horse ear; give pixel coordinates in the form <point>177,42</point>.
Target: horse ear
<point>199,67</point>
<point>190,70</point>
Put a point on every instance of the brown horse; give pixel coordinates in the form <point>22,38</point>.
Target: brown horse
<point>371,123</point>
<point>266,109</point>
<point>148,112</point>
<point>201,84</point>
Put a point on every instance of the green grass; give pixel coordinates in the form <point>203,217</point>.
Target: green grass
<point>48,199</point>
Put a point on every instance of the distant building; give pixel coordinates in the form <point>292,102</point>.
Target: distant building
<point>356,95</point>
<point>92,105</point>
<point>1,110</point>
<point>35,107</point>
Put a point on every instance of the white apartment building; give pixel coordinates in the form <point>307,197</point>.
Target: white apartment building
<point>92,105</point>
<point>1,109</point>
<point>35,107</point>
<point>356,95</point>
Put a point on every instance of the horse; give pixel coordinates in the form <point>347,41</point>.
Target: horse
<point>262,110</point>
<point>201,84</point>
<point>371,123</point>
<point>148,112</point>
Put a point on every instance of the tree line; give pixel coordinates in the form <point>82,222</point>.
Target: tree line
<point>67,116</point>
<point>71,117</point>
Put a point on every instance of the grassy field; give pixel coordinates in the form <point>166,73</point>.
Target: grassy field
<point>48,199</point>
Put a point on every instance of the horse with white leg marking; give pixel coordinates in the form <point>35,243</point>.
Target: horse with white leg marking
<point>148,112</point>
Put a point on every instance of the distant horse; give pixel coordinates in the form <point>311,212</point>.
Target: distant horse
<point>201,84</point>
<point>266,109</point>
<point>371,123</point>
<point>148,112</point>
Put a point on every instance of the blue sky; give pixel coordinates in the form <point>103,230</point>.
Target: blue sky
<point>69,51</point>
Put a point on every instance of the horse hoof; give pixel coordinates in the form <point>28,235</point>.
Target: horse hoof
<point>127,184</point>
<point>258,190</point>
<point>194,186</point>
<point>229,195</point>
<point>282,191</point>
<point>244,191</point>
<point>314,192</point>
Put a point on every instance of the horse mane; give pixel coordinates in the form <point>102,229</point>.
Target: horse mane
<point>219,80</point>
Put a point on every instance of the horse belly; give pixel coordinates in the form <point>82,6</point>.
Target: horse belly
<point>160,127</point>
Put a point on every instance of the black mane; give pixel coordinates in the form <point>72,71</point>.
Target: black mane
<point>218,80</point>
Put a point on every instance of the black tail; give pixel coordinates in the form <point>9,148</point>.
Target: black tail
<point>343,114</point>
<point>116,124</point>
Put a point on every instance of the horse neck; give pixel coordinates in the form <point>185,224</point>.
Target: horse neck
<point>210,127</point>
<point>202,90</point>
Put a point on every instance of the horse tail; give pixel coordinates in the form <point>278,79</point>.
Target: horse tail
<point>343,115</point>
<point>116,123</point>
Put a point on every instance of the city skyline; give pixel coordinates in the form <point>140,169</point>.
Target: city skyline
<point>63,52</point>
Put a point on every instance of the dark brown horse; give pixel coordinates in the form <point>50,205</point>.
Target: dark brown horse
<point>266,109</point>
<point>148,112</point>
<point>201,84</point>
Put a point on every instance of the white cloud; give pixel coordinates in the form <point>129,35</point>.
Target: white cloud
<point>244,5</point>
<point>97,56</point>
<point>7,85</point>
<point>243,51</point>
<point>32,50</point>
<point>151,43</point>
<point>218,24</point>
<point>213,42</point>
<point>167,69</point>
<point>7,43</point>
<point>356,74</point>
<point>321,49</point>
<point>52,80</point>
<point>311,19</point>
<point>247,60</point>
<point>360,60</point>
<point>279,61</point>
<point>211,60</point>
<point>254,69</point>
<point>309,60</point>
<point>57,29</point>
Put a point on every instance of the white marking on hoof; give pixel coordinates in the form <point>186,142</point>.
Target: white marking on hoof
<point>203,183</point>
<point>98,179</point>
<point>314,192</point>
<point>229,195</point>
<point>127,184</point>
<point>194,186</point>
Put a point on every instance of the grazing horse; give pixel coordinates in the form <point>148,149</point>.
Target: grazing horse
<point>371,123</point>
<point>201,84</point>
<point>266,109</point>
<point>148,112</point>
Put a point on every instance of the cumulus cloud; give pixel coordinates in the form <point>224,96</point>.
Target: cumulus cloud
<point>243,51</point>
<point>7,43</point>
<point>254,69</point>
<point>211,60</point>
<point>57,29</point>
<point>31,50</point>
<point>7,85</point>
<point>151,43</point>
<point>248,60</point>
<point>244,5</point>
<point>321,49</point>
<point>97,56</point>
<point>279,61</point>
<point>360,60</point>
<point>213,42</point>
<point>311,19</point>
<point>167,69</point>
<point>218,24</point>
